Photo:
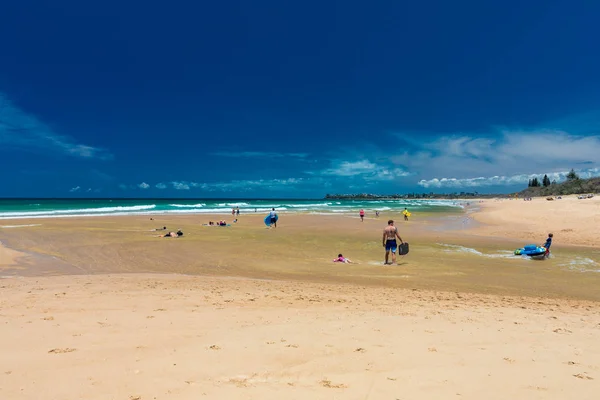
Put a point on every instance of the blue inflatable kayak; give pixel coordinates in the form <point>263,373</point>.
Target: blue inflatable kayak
<point>531,250</point>
<point>268,219</point>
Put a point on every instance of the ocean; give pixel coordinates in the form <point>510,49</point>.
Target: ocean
<point>62,208</point>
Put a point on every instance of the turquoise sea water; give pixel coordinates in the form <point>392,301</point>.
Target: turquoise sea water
<point>56,208</point>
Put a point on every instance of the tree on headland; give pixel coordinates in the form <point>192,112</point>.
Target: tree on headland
<point>546,181</point>
<point>534,182</point>
<point>572,175</point>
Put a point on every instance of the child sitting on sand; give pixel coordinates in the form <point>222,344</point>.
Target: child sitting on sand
<point>342,259</point>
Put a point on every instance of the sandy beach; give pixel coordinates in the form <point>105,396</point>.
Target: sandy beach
<point>572,220</point>
<point>101,308</point>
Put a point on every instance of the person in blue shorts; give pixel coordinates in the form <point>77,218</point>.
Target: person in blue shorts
<point>548,244</point>
<point>390,233</point>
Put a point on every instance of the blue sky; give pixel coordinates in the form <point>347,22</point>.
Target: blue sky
<point>284,99</point>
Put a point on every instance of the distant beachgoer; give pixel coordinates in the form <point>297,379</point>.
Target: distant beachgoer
<point>342,259</point>
<point>254,209</point>
<point>361,213</point>
<point>390,233</point>
<point>548,244</point>
<point>406,214</point>
<point>233,211</point>
<point>237,211</point>
<point>235,221</point>
<point>273,216</point>
<point>164,228</point>
<point>377,213</point>
<point>172,234</point>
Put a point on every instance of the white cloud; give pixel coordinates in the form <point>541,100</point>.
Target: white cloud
<point>143,185</point>
<point>160,186</point>
<point>75,189</point>
<point>521,179</point>
<point>468,161</point>
<point>363,169</point>
<point>183,185</point>
<point>21,130</point>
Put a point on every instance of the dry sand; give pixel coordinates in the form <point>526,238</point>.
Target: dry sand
<point>458,317</point>
<point>182,337</point>
<point>571,220</point>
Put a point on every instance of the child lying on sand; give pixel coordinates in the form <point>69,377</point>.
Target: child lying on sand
<point>172,234</point>
<point>342,259</point>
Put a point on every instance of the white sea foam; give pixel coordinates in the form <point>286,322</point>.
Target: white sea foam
<point>18,226</point>
<point>121,210</point>
<point>188,205</point>
<point>308,205</point>
<point>582,264</point>
<point>453,248</point>
<point>26,214</point>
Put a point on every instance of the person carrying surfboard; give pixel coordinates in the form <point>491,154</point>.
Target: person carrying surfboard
<point>390,233</point>
<point>273,216</point>
<point>406,214</point>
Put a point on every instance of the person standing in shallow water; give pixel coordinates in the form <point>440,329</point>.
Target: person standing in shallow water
<point>390,233</point>
<point>361,213</point>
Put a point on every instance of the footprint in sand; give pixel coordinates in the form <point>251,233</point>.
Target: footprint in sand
<point>214,347</point>
<point>561,330</point>
<point>360,350</point>
<point>60,351</point>
<point>583,376</point>
<point>328,384</point>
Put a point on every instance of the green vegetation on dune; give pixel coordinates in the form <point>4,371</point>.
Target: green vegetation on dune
<point>573,185</point>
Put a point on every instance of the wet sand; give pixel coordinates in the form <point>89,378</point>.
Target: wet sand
<point>442,257</point>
